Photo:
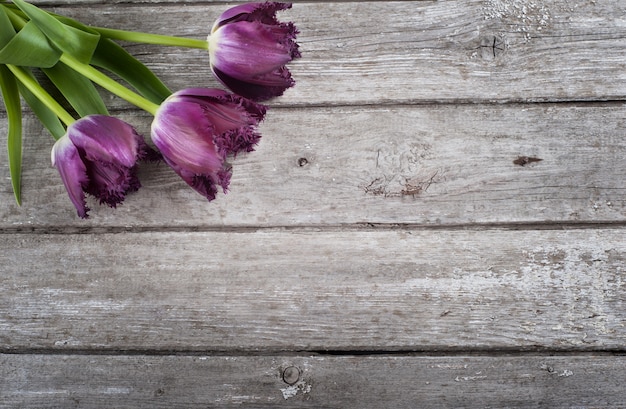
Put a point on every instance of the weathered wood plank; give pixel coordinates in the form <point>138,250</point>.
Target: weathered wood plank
<point>315,290</point>
<point>351,382</point>
<point>465,50</point>
<point>431,165</point>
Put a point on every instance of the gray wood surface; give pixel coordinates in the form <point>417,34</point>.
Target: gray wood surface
<point>316,290</point>
<point>92,381</point>
<point>425,51</point>
<point>435,217</point>
<point>424,165</point>
<point>417,51</point>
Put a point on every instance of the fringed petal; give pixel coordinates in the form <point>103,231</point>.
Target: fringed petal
<point>110,184</point>
<point>237,141</point>
<point>269,86</point>
<point>249,49</point>
<point>263,12</point>
<point>196,129</point>
<point>98,155</point>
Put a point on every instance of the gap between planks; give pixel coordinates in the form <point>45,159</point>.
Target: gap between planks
<point>442,353</point>
<point>320,228</point>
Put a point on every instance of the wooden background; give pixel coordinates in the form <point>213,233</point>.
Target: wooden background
<point>392,243</point>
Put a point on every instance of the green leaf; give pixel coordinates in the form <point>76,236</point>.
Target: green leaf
<point>112,57</point>
<point>29,48</point>
<point>11,97</point>
<point>78,90</point>
<point>115,59</point>
<point>7,32</point>
<point>78,43</point>
<point>47,117</point>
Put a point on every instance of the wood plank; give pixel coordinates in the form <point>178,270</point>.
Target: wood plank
<point>465,50</point>
<point>350,382</point>
<point>424,165</point>
<point>311,290</point>
<point>427,51</point>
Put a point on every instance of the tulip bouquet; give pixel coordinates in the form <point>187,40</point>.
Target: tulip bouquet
<point>195,130</point>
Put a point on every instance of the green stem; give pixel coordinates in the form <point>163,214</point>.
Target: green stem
<point>37,90</point>
<point>109,84</point>
<point>149,38</point>
<point>124,35</point>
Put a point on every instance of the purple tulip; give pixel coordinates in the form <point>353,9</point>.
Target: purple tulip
<point>197,128</point>
<point>98,155</point>
<point>249,48</point>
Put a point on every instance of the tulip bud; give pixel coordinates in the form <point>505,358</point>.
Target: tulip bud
<point>98,155</point>
<point>196,130</point>
<point>249,48</point>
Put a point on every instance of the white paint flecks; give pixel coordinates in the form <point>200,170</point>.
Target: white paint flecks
<point>526,16</point>
<point>293,390</point>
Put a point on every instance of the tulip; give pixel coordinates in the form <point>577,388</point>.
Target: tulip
<point>249,48</point>
<point>98,155</point>
<point>196,130</point>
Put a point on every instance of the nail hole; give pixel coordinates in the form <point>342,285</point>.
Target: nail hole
<point>291,375</point>
<point>303,162</point>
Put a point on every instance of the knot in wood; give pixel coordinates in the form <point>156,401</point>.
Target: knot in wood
<point>492,46</point>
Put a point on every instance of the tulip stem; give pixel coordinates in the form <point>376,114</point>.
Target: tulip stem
<point>37,90</point>
<point>109,84</point>
<point>149,38</point>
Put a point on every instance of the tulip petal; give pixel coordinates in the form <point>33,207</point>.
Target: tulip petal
<point>223,110</point>
<point>183,134</point>
<point>249,48</point>
<point>203,184</point>
<point>105,138</point>
<point>98,155</point>
<point>110,183</point>
<point>263,12</point>
<point>200,95</point>
<point>236,141</point>
<point>270,85</point>
<point>66,159</point>
<point>197,128</point>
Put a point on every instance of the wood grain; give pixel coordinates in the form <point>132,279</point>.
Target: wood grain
<point>424,51</point>
<point>434,218</point>
<point>422,165</point>
<point>315,290</point>
<point>528,381</point>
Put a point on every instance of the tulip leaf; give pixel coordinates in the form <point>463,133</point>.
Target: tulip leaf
<point>112,57</point>
<point>78,43</point>
<point>77,89</point>
<point>29,48</point>
<point>46,116</point>
<point>7,32</point>
<point>11,98</point>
